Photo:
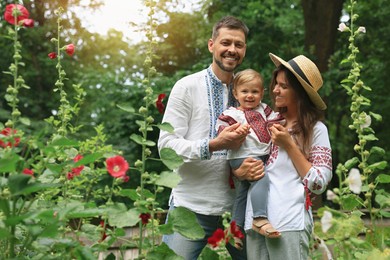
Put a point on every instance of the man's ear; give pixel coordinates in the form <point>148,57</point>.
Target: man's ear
<point>210,45</point>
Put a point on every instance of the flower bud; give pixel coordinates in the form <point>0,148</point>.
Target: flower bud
<point>138,164</point>
<point>143,110</point>
<point>150,119</point>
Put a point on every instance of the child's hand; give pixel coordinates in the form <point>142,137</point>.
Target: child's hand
<point>243,129</point>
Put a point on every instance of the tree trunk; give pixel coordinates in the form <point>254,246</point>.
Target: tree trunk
<point>322,18</point>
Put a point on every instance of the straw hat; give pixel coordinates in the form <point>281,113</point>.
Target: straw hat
<point>308,75</point>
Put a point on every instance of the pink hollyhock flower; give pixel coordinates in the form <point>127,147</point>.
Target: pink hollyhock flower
<point>342,27</point>
<point>7,132</point>
<point>144,218</point>
<point>20,12</point>
<point>160,106</point>
<point>117,166</point>
<point>28,172</point>
<point>69,49</point>
<point>52,55</point>
<point>28,23</point>
<point>216,238</point>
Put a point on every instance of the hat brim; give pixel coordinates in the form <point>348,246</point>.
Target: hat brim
<point>313,95</point>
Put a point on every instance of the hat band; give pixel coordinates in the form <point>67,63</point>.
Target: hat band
<point>298,70</point>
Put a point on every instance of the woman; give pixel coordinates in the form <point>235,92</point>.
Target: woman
<point>300,161</point>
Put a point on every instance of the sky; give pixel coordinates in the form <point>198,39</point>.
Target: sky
<point>117,14</point>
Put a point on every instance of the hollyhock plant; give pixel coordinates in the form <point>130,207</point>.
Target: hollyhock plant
<point>235,230</point>
<point>69,49</point>
<point>342,27</point>
<point>28,23</point>
<point>52,55</point>
<point>15,9</point>
<point>117,166</point>
<point>76,170</point>
<point>7,132</point>
<point>160,106</point>
<point>216,238</point>
<point>354,180</point>
<point>145,218</point>
<point>326,221</point>
<point>28,172</point>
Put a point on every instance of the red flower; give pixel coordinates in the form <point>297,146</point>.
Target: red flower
<point>69,49</point>
<point>28,23</point>
<point>70,176</point>
<point>126,178</point>
<point>20,12</point>
<point>28,172</point>
<point>235,230</point>
<point>160,106</point>
<point>216,238</point>
<point>52,55</point>
<point>8,132</point>
<point>144,218</point>
<point>117,166</point>
<point>76,171</point>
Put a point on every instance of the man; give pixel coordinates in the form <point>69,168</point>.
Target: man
<point>193,107</point>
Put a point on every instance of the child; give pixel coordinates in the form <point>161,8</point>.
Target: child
<point>248,89</point>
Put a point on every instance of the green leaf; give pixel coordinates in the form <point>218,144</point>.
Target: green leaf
<point>126,108</point>
<point>350,201</point>
<point>84,213</point>
<point>168,179</point>
<point>4,234</point>
<point>377,117</point>
<point>170,158</point>
<point>8,163</point>
<point>377,150</point>
<point>34,187</point>
<point>351,162</point>
<point>130,193</point>
<point>184,222</point>
<point>141,141</point>
<point>89,158</point>
<point>62,141</point>
<point>378,165</point>
<point>370,137</point>
<point>383,178</point>
<point>163,252</point>
<point>383,200</point>
<point>208,253</point>
<point>167,127</point>
<point>119,216</point>
<point>25,121</point>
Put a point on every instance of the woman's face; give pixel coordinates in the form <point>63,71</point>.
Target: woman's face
<point>283,92</point>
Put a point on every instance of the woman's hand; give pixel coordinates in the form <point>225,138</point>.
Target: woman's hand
<point>250,170</point>
<point>280,136</point>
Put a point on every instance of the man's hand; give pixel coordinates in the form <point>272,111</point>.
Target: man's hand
<point>230,137</point>
<point>250,170</point>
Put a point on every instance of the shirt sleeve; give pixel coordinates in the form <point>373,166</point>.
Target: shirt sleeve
<point>178,113</point>
<point>320,156</point>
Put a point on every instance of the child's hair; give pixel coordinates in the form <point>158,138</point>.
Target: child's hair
<point>246,76</point>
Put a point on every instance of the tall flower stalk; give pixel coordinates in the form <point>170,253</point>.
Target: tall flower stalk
<point>359,192</point>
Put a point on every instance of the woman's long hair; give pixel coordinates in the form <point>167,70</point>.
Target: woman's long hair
<point>308,114</point>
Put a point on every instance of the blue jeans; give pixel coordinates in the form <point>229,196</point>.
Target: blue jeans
<point>259,195</point>
<point>191,249</point>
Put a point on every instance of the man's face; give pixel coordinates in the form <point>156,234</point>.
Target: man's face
<point>228,49</point>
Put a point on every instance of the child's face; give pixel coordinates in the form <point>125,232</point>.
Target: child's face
<point>249,94</point>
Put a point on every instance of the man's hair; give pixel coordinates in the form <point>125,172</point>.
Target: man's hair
<point>229,22</point>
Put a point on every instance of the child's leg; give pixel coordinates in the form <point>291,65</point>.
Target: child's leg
<point>239,206</point>
<point>259,197</point>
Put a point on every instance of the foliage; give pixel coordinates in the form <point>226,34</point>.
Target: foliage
<point>56,198</point>
<point>359,192</point>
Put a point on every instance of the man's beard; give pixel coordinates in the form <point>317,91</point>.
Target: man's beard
<point>222,67</point>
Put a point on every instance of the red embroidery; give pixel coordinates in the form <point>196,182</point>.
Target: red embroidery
<point>258,125</point>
